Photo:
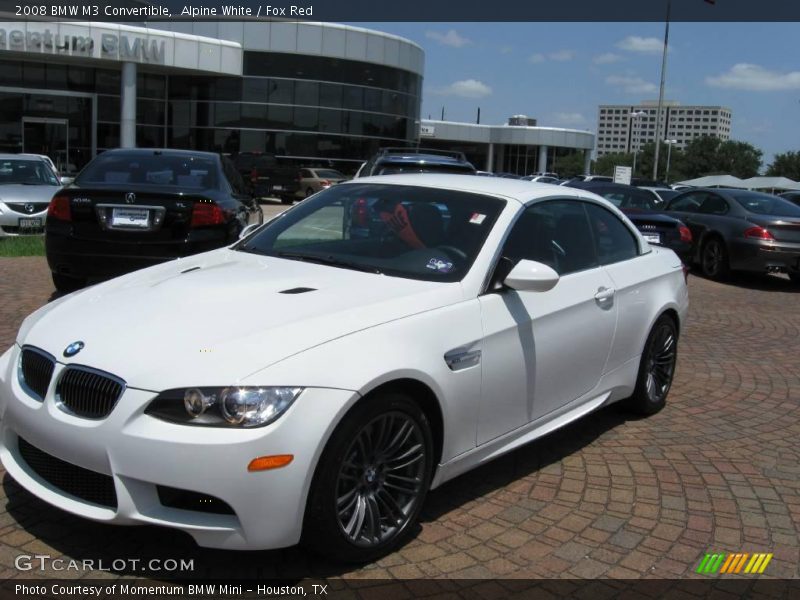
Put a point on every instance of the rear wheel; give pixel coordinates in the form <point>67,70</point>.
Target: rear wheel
<point>371,481</point>
<point>656,368</point>
<point>287,200</point>
<point>795,277</point>
<point>309,192</point>
<point>714,259</point>
<point>66,284</point>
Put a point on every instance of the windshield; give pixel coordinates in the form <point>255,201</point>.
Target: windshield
<point>26,172</point>
<point>397,168</point>
<point>763,204</point>
<point>404,231</point>
<point>183,171</point>
<point>628,198</point>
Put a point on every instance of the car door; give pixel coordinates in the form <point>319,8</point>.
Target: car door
<point>710,217</point>
<point>685,208</point>
<point>542,350</point>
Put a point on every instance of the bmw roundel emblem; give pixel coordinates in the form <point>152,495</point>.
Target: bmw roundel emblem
<point>73,349</point>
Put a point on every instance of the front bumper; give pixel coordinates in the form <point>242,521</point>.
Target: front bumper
<point>10,223</point>
<point>762,256</point>
<point>140,452</point>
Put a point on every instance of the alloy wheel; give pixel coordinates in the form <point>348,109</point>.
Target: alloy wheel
<point>381,479</point>
<point>661,363</point>
<point>712,258</point>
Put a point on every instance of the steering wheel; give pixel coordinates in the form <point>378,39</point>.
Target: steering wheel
<point>453,252</point>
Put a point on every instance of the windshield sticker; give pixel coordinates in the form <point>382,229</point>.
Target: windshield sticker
<point>439,265</point>
<point>477,218</point>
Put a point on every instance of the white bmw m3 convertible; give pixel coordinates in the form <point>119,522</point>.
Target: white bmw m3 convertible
<point>411,327</point>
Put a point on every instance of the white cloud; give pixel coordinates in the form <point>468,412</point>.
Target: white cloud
<point>466,88</point>
<point>449,38</point>
<point>561,55</point>
<point>569,118</point>
<point>606,58</point>
<point>634,43</point>
<point>744,76</point>
<point>557,56</point>
<point>631,85</point>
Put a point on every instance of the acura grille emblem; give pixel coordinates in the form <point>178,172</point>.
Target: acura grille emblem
<point>130,197</point>
<point>73,349</point>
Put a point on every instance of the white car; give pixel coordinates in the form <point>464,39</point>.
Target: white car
<point>412,328</point>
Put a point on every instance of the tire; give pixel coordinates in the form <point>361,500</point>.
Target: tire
<point>379,508</point>
<point>65,283</point>
<point>714,260</point>
<point>656,369</point>
<point>309,192</point>
<point>287,200</point>
<point>795,278</point>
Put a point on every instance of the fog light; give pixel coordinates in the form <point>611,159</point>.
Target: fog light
<point>264,463</point>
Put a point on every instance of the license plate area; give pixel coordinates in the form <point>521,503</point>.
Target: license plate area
<point>130,218</point>
<point>652,238</point>
<point>30,223</point>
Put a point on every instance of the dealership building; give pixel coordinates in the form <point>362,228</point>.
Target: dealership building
<point>308,91</point>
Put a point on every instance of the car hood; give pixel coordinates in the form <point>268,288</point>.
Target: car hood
<point>17,192</point>
<point>215,318</point>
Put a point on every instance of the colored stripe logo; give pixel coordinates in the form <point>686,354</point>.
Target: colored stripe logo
<point>736,563</point>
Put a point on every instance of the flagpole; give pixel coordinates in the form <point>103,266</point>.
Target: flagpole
<point>661,94</point>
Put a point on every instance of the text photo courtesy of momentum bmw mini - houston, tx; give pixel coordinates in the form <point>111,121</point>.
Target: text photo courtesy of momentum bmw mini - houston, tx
<point>337,301</point>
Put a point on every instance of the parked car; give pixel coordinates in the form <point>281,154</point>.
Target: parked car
<point>793,197</point>
<point>27,184</point>
<point>378,368</point>
<point>596,178</point>
<point>641,207</point>
<point>312,180</point>
<point>265,176</point>
<point>132,208</point>
<point>738,230</point>
<point>390,161</point>
<point>542,179</point>
<point>661,194</point>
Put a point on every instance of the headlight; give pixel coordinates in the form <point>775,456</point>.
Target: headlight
<point>235,406</point>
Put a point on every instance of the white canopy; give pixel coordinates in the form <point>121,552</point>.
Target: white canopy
<point>716,181</point>
<point>771,183</point>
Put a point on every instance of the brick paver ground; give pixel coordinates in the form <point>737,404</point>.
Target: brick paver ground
<point>610,496</point>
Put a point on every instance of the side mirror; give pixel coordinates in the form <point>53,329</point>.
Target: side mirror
<point>531,276</point>
<point>248,230</point>
<point>66,180</point>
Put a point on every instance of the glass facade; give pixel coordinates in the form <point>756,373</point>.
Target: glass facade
<point>289,104</point>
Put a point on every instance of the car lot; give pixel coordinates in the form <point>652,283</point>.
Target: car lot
<point>609,496</point>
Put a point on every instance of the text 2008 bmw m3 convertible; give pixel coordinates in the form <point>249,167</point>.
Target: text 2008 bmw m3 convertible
<point>412,327</point>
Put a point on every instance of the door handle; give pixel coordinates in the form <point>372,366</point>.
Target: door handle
<point>604,294</point>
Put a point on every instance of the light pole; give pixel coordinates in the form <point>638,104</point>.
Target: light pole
<point>661,92</point>
<point>635,115</point>
<point>669,144</point>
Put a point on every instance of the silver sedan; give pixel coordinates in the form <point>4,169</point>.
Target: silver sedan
<point>27,183</point>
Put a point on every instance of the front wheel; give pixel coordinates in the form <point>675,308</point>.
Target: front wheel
<point>371,481</point>
<point>656,368</point>
<point>795,278</point>
<point>66,284</point>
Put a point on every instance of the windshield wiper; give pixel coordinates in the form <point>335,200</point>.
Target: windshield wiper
<point>330,260</point>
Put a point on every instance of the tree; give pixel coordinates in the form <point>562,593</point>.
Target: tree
<point>569,165</point>
<point>604,165</point>
<point>785,165</point>
<point>708,155</point>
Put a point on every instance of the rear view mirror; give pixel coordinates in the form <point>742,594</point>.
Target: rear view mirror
<point>531,276</point>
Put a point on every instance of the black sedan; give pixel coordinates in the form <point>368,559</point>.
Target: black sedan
<point>738,230</point>
<point>132,208</point>
<point>793,197</point>
<point>641,207</point>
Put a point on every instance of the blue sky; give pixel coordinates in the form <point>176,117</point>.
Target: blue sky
<point>559,73</point>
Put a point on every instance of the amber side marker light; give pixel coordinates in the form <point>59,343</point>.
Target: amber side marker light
<point>264,463</point>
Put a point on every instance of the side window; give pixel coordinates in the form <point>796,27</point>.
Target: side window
<point>555,233</point>
<point>612,238</point>
<point>714,205</point>
<point>688,203</point>
<point>305,173</point>
<point>233,177</point>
